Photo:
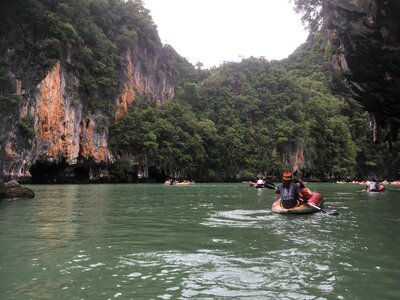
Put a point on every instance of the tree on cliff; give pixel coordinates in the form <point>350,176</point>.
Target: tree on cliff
<point>312,13</point>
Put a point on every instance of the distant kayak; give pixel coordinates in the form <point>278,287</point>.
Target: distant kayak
<point>316,200</point>
<point>185,183</point>
<point>380,188</point>
<point>259,186</point>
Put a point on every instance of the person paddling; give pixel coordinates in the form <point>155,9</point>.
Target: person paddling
<point>373,185</point>
<point>260,183</point>
<point>289,191</point>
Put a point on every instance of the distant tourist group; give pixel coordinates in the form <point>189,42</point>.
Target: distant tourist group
<point>178,182</point>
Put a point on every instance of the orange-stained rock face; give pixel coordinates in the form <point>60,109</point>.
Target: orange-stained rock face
<point>54,127</point>
<point>60,135</point>
<point>129,94</point>
<point>93,144</point>
<point>65,130</point>
<point>137,82</point>
<point>139,85</point>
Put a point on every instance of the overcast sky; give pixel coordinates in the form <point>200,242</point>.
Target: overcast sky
<point>214,31</point>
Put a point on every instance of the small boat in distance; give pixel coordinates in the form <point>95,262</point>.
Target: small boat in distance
<point>380,188</point>
<point>177,182</point>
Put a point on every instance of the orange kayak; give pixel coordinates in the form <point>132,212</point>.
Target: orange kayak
<point>316,200</point>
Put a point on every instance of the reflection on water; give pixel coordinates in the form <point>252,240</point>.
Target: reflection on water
<point>197,242</point>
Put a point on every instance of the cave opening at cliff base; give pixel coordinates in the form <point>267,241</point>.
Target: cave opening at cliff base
<point>45,172</point>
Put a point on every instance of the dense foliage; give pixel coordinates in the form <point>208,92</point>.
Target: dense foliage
<point>254,118</point>
<point>90,37</point>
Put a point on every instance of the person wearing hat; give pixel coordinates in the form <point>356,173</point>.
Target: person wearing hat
<point>289,191</point>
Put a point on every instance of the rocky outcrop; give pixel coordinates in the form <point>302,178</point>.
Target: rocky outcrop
<point>364,36</point>
<point>293,156</point>
<point>13,189</point>
<point>65,132</point>
<point>67,72</point>
<point>158,87</point>
<point>61,126</point>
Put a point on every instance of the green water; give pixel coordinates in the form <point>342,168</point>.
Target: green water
<point>207,241</point>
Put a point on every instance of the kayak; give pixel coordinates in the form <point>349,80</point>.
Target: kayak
<point>316,200</point>
<point>168,183</point>
<point>259,186</point>
<point>184,183</point>
<point>380,188</point>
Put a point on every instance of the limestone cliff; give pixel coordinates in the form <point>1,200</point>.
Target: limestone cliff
<point>159,88</point>
<point>68,69</point>
<point>66,133</point>
<point>364,36</point>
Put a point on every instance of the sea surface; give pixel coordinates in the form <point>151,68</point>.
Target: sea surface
<point>205,241</point>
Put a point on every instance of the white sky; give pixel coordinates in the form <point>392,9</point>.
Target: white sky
<point>214,31</point>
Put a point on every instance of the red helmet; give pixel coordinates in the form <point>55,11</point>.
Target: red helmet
<point>287,176</point>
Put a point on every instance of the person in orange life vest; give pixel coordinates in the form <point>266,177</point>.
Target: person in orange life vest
<point>307,194</point>
<point>289,191</point>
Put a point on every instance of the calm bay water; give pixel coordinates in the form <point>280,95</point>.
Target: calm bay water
<point>206,241</point>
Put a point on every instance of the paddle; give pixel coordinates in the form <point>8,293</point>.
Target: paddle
<point>330,212</point>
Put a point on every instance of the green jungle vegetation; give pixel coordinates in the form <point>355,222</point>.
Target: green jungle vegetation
<point>233,122</point>
<point>89,36</point>
<point>247,119</point>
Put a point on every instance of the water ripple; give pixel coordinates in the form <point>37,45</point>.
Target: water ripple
<point>238,218</point>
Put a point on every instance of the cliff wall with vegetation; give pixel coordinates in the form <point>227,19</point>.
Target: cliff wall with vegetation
<point>65,77</point>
